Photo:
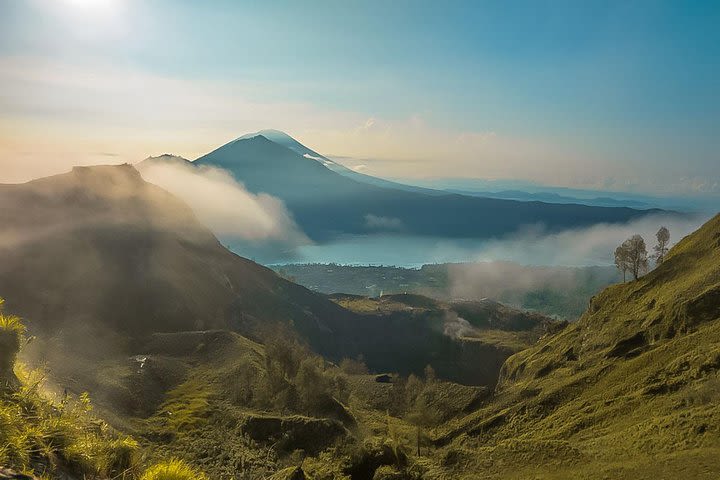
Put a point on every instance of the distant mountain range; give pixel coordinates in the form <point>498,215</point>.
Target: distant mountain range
<point>551,197</point>
<point>328,199</point>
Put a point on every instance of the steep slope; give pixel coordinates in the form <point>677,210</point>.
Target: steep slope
<point>326,204</point>
<point>631,390</point>
<point>101,247</point>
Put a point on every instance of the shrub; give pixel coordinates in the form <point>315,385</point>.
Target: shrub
<point>172,470</point>
<point>311,385</point>
<point>11,332</point>
<point>243,382</point>
<point>34,432</point>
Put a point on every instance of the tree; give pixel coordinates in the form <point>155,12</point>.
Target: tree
<point>637,255</point>
<point>311,385</point>
<point>430,376</point>
<point>244,381</point>
<point>661,249</point>
<point>621,260</point>
<point>632,256</point>
<point>354,367</point>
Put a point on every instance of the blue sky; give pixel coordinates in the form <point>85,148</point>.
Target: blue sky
<point>615,95</point>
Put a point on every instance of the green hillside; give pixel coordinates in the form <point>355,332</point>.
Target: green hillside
<point>629,391</point>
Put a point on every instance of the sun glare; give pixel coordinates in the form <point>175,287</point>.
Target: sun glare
<point>89,3</point>
<point>93,5</point>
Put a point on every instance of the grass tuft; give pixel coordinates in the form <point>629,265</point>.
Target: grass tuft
<point>172,470</point>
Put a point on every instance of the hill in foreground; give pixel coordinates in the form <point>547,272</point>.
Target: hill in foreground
<point>629,391</point>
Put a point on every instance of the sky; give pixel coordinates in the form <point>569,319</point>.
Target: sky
<point>604,95</point>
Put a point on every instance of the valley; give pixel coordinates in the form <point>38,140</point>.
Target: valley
<point>337,240</point>
<point>562,292</point>
<point>201,355</point>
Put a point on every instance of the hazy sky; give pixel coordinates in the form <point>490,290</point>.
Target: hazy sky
<point>614,95</point>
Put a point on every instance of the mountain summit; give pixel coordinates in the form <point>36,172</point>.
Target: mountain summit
<point>327,202</point>
<point>282,138</point>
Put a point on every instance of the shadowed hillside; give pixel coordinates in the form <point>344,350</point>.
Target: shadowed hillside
<point>467,342</point>
<point>101,245</point>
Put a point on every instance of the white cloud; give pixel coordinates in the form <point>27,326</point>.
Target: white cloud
<point>586,246</point>
<point>224,205</point>
<point>369,123</point>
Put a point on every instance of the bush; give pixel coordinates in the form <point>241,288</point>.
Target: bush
<point>172,470</point>
<point>387,472</point>
<point>311,385</point>
<point>11,332</point>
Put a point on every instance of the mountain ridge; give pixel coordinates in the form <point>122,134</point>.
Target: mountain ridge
<point>327,204</point>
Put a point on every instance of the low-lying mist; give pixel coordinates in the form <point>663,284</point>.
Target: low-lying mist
<point>224,205</point>
<point>532,245</point>
<point>586,246</point>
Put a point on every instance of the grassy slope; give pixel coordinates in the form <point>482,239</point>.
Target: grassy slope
<point>629,391</point>
<point>52,437</point>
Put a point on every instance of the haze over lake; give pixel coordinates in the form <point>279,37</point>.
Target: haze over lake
<point>580,247</point>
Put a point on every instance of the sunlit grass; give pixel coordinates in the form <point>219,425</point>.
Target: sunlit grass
<point>173,470</point>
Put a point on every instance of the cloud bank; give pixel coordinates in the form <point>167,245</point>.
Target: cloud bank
<point>501,265</point>
<point>593,245</point>
<point>224,205</point>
